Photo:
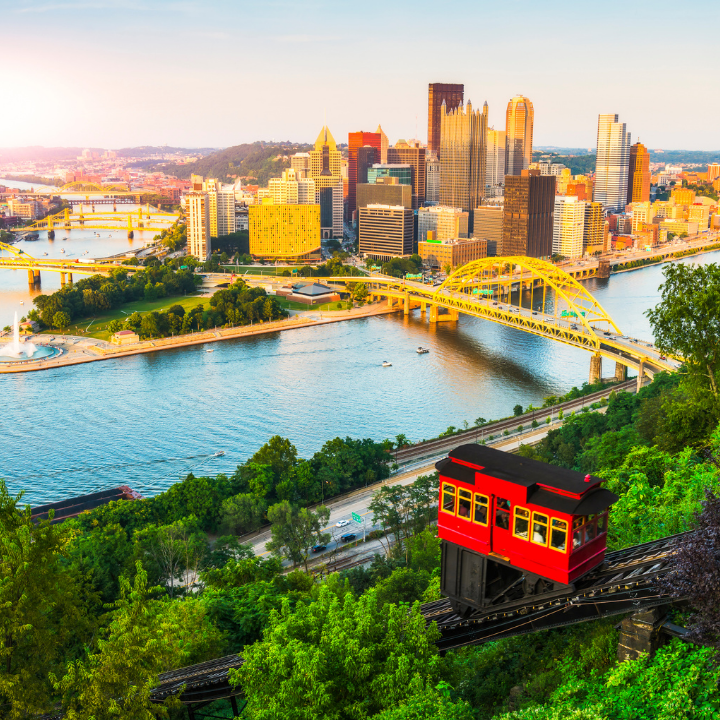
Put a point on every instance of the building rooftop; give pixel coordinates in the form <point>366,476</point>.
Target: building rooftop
<point>312,289</point>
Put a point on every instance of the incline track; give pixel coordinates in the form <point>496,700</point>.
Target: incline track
<point>624,583</point>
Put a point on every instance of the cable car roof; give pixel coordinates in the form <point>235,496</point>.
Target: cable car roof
<point>545,483</point>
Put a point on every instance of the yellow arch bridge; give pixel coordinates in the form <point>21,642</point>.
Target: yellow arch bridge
<point>530,295</point>
<point>140,219</point>
<point>20,260</point>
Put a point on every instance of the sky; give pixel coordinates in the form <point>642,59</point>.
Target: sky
<point>215,73</point>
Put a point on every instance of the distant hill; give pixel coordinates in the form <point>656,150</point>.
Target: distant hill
<point>684,156</point>
<point>257,160</point>
<point>578,164</point>
<point>38,153</point>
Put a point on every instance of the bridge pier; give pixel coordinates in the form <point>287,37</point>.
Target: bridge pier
<point>595,368</point>
<point>640,375</point>
<point>436,316</point>
<point>33,277</point>
<point>620,372</point>
<point>406,305</point>
<point>62,279</point>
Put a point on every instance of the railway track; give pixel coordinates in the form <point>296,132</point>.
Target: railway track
<point>624,583</point>
<point>430,448</point>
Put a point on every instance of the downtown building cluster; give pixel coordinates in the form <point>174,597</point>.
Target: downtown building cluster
<point>473,191</point>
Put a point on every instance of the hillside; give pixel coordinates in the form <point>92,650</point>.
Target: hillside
<point>257,160</point>
<point>578,164</point>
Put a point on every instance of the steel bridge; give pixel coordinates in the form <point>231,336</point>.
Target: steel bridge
<point>140,219</point>
<point>529,295</point>
<point>66,267</point>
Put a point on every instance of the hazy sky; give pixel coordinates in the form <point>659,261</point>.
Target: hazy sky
<point>115,73</point>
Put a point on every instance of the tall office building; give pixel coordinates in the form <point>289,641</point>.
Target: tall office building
<point>403,173</point>
<point>568,226</point>
<point>357,140</point>
<point>519,120</point>
<point>488,226</point>
<point>443,222</point>
<point>639,174</point>
<point>285,232</point>
<point>463,157</point>
<point>405,154</point>
<point>594,234</point>
<point>385,231</point>
<point>367,156</point>
<point>300,163</point>
<point>289,190</point>
<point>197,209</point>
<point>432,179</point>
<point>221,205</point>
<point>326,171</point>
<point>495,165</point>
<point>713,172</point>
<point>612,163</point>
<point>384,144</point>
<point>385,191</point>
<point>439,94</point>
<point>528,215</point>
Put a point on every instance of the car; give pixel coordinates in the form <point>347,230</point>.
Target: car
<point>662,357</point>
<point>348,537</point>
<point>534,313</point>
<point>318,548</point>
<point>342,523</point>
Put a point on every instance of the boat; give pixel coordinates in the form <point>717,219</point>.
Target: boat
<point>219,453</point>
<point>422,351</point>
<point>386,363</point>
<point>209,349</point>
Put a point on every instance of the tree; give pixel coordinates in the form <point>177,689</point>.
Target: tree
<point>517,410</point>
<point>114,326</point>
<point>279,453</point>
<point>337,657</point>
<point>144,638</point>
<point>61,320</point>
<point>479,422</point>
<point>40,607</point>
<point>686,321</point>
<point>294,531</point>
<point>243,513</point>
<point>426,702</point>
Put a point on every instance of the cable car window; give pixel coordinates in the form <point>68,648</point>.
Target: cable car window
<point>502,513</point>
<point>540,529</point>
<point>448,504</point>
<point>602,523</point>
<point>590,529</point>
<point>522,523</point>
<point>464,503</point>
<point>558,535</point>
<point>481,509</point>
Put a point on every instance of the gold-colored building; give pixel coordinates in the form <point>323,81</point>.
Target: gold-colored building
<point>285,232</point>
<point>452,253</point>
<point>682,196</point>
<point>519,120</point>
<point>326,171</point>
<point>463,157</point>
<point>639,174</point>
<point>594,232</point>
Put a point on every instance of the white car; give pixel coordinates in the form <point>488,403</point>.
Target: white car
<point>342,523</point>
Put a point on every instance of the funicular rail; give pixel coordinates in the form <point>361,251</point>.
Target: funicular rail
<point>624,583</point>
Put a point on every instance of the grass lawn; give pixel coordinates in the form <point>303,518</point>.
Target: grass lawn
<point>327,307</point>
<point>98,324</point>
<point>257,269</point>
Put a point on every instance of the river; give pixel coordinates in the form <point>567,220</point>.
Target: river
<point>15,293</point>
<point>147,420</point>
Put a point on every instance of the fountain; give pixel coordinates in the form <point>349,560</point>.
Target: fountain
<point>16,351</point>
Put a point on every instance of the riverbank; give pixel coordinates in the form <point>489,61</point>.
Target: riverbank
<point>680,255</point>
<point>80,350</point>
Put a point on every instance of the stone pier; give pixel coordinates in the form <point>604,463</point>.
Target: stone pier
<point>620,372</point>
<point>436,316</point>
<point>640,633</point>
<point>595,368</point>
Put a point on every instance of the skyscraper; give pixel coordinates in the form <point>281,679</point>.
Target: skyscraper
<point>285,232</point>
<point>519,121</point>
<point>325,170</point>
<point>432,179</point>
<point>197,207</point>
<point>639,174</point>
<point>528,215</point>
<point>449,94</point>
<point>357,140</point>
<point>463,157</point>
<point>611,163</point>
<point>384,143</point>
<point>445,223</point>
<point>403,153</point>
<point>495,166</point>
<point>568,226</point>
<point>385,231</point>
<point>594,232</point>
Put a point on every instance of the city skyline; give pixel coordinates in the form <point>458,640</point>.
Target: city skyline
<point>120,70</point>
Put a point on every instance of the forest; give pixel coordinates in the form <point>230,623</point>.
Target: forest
<point>96,607</point>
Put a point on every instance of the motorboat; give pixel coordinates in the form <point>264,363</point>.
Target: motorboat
<point>219,453</point>
<point>422,351</point>
<point>386,363</point>
<point>209,349</point>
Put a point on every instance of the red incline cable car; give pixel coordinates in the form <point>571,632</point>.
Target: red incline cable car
<point>513,527</point>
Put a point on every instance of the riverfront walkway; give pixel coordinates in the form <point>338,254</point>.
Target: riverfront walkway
<point>79,350</point>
